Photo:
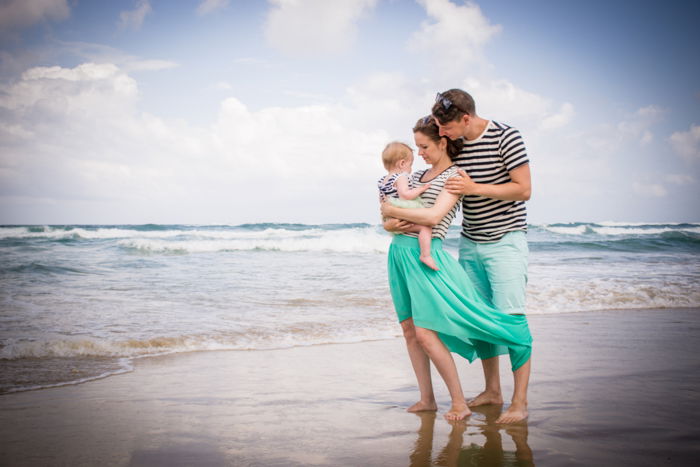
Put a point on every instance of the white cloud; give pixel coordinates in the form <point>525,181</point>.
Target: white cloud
<point>135,64</point>
<point>637,126</point>
<point>310,27</point>
<point>133,19</point>
<point>679,179</point>
<point>207,6</point>
<point>223,86</point>
<point>651,112</point>
<point>250,61</point>
<point>634,128</point>
<point>56,90</point>
<point>100,53</point>
<point>687,143</point>
<point>653,190</point>
<point>388,100</point>
<point>77,136</point>
<point>559,119</point>
<point>16,14</point>
<point>504,101</point>
<point>456,34</point>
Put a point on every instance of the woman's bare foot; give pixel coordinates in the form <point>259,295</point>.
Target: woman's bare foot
<point>486,398</point>
<point>421,406</point>
<point>429,261</point>
<point>516,412</point>
<point>458,412</point>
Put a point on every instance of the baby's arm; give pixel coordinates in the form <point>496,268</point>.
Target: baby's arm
<point>409,193</point>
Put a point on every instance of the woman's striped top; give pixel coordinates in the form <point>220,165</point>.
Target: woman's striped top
<point>488,159</point>
<point>430,195</point>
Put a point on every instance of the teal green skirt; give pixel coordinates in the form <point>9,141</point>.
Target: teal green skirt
<point>446,302</point>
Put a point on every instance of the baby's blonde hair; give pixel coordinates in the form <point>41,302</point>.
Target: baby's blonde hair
<point>394,152</point>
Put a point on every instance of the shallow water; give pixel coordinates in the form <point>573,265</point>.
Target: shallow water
<point>79,302</point>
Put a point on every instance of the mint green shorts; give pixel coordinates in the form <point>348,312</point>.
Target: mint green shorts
<point>498,270</point>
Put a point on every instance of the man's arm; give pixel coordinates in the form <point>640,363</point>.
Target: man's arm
<point>519,189</point>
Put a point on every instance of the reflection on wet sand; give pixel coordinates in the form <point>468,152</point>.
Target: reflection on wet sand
<point>485,443</point>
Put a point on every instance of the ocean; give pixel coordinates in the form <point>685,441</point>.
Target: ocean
<point>80,302</point>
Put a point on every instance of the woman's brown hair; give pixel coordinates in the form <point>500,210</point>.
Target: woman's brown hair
<point>429,128</point>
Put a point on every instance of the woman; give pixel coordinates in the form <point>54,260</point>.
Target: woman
<point>440,311</point>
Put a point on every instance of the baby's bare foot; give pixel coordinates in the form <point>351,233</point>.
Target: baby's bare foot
<point>430,262</point>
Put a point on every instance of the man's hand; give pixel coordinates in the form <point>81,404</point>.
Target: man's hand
<point>461,184</point>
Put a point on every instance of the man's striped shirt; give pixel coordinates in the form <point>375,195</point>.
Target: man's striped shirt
<point>488,159</point>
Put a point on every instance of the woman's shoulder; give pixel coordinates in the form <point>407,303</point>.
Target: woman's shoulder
<point>448,172</point>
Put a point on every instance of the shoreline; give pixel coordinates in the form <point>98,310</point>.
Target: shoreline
<point>608,388</point>
<point>128,363</point>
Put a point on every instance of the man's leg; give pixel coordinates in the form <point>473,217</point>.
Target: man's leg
<point>471,263</point>
<point>505,263</point>
<point>518,406</point>
<point>492,384</point>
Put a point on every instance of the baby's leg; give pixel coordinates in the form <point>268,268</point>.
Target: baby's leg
<point>425,235</point>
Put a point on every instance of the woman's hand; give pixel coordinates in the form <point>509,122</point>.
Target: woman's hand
<point>397,225</point>
<point>385,209</point>
<point>461,184</point>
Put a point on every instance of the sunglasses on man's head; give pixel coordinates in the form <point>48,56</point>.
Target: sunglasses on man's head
<point>445,102</point>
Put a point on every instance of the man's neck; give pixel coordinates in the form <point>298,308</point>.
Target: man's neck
<point>476,128</point>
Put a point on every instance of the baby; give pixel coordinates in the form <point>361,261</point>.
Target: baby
<point>396,188</point>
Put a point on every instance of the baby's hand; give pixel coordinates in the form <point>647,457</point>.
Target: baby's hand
<point>424,188</point>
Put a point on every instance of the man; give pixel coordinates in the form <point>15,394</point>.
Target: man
<point>494,178</point>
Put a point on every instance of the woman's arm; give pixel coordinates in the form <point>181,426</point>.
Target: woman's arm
<point>397,225</point>
<point>424,216</point>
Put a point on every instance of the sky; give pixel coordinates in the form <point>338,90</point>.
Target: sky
<point>237,111</point>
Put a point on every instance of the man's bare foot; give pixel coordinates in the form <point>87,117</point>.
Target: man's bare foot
<point>429,261</point>
<point>516,412</point>
<point>421,406</point>
<point>486,398</point>
<point>458,412</point>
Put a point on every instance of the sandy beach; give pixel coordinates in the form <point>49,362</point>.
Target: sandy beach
<point>608,388</point>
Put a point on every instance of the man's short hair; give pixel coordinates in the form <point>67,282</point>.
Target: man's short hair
<point>452,105</point>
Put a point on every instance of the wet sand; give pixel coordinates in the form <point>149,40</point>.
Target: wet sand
<point>611,388</point>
